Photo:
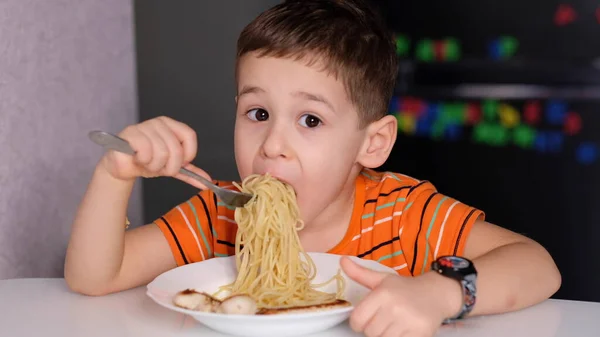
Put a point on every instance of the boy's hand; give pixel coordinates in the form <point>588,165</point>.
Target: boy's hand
<point>162,146</point>
<point>402,306</point>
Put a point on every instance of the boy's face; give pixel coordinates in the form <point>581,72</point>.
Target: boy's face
<point>297,123</point>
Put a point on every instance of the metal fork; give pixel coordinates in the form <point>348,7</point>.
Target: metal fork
<point>110,141</point>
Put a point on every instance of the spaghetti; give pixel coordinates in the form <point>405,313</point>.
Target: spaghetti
<point>272,266</point>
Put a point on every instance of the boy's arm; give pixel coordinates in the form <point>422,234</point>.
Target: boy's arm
<point>514,271</point>
<point>101,256</point>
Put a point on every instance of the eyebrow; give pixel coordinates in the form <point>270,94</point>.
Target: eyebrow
<point>303,94</point>
<point>315,98</point>
<point>250,90</point>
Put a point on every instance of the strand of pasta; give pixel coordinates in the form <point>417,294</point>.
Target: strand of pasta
<point>272,266</point>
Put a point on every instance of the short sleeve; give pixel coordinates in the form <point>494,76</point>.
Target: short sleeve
<point>188,228</point>
<point>434,225</point>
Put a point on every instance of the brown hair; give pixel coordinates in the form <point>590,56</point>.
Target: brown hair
<point>347,35</point>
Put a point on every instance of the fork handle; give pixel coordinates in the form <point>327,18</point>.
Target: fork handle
<point>203,180</point>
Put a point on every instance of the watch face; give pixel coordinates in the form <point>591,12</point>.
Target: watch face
<point>454,262</point>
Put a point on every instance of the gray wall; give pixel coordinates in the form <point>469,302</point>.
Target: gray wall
<point>185,56</point>
<point>66,67</point>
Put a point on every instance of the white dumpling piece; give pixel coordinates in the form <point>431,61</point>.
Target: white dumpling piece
<point>238,305</point>
<point>197,301</point>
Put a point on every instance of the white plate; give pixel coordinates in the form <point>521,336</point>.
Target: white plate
<point>209,275</point>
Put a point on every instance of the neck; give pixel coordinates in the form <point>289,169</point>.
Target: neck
<point>329,227</point>
<point>341,210</point>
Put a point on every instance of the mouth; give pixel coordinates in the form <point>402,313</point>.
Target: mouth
<point>273,174</point>
<point>282,179</point>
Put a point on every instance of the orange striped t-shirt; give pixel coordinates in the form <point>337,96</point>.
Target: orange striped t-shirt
<point>397,220</point>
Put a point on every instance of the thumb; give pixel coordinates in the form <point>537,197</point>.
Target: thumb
<point>365,276</point>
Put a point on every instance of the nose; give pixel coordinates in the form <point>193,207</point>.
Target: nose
<point>275,144</point>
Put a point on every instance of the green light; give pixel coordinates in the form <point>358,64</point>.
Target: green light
<point>437,130</point>
<point>501,136</point>
<point>490,110</point>
<point>524,136</point>
<point>402,45</point>
<point>458,113</point>
<point>491,134</point>
<point>400,121</point>
<point>425,51</point>
<point>508,46</point>
<point>481,133</point>
<point>452,49</point>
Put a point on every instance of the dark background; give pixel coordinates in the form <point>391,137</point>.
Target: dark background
<point>185,59</point>
<point>546,191</point>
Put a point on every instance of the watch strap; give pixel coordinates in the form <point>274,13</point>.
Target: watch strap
<point>469,292</point>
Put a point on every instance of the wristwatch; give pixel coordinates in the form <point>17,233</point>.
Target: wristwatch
<point>464,272</point>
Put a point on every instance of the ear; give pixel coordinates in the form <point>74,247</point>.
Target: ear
<point>236,99</point>
<point>379,141</point>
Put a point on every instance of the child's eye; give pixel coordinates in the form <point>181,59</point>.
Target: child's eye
<point>309,121</point>
<point>258,115</point>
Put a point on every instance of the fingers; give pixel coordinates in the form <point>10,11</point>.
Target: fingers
<point>140,142</point>
<point>160,151</point>
<point>162,146</point>
<point>378,324</point>
<point>393,330</point>
<point>174,159</point>
<point>365,311</point>
<point>185,135</point>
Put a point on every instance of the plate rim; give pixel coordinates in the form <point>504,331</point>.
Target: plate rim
<point>297,315</point>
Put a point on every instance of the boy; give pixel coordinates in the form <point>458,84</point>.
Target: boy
<point>314,79</point>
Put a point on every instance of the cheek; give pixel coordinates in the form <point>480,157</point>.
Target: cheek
<point>325,171</point>
<point>244,150</point>
<point>329,166</point>
<point>330,155</point>
<point>243,163</point>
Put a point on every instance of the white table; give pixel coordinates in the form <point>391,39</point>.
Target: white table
<point>46,307</point>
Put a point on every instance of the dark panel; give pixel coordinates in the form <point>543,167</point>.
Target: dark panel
<point>185,59</point>
<point>511,128</point>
